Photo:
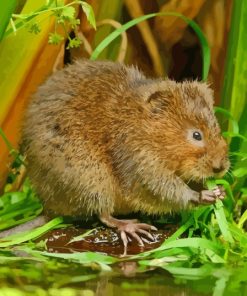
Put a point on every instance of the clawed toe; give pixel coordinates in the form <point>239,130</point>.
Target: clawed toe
<point>146,233</point>
<point>129,230</point>
<point>124,239</point>
<point>134,231</point>
<point>137,238</point>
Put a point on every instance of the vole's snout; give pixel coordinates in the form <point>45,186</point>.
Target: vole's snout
<point>218,170</point>
<point>220,163</point>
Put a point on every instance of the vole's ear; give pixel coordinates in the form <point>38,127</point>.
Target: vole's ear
<point>156,97</point>
<point>158,101</point>
<point>207,94</point>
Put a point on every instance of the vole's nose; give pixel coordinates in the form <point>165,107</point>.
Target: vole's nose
<point>218,170</point>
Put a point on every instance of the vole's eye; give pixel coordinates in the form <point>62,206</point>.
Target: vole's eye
<point>197,136</point>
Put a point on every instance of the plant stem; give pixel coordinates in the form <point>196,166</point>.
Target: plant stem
<point>6,141</point>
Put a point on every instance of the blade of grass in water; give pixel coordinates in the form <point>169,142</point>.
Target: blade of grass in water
<point>85,258</point>
<point>190,273</point>
<point>81,237</point>
<point>194,26</point>
<point>195,242</point>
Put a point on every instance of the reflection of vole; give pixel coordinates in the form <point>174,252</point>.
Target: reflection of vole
<point>101,138</point>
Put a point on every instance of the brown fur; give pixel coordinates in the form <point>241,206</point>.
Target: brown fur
<point>102,138</point>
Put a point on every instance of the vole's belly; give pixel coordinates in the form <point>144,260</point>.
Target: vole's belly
<point>142,201</point>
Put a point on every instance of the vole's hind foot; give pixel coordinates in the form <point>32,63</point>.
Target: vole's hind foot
<point>210,196</point>
<point>129,229</point>
<point>134,230</point>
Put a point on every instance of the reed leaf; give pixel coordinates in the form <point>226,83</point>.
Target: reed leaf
<point>116,33</point>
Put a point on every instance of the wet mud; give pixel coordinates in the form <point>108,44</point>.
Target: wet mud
<point>101,239</point>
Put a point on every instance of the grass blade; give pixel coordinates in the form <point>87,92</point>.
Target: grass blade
<point>190,273</point>
<point>242,220</point>
<point>219,212</point>
<point>222,222</point>
<point>29,235</point>
<point>194,26</point>
<point>228,115</point>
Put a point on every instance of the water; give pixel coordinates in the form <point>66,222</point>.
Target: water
<point>38,275</point>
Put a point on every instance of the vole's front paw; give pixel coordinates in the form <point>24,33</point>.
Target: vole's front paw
<point>209,196</point>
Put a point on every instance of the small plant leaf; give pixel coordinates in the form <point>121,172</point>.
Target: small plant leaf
<point>88,10</point>
<point>68,12</point>
<point>222,222</point>
<point>240,172</point>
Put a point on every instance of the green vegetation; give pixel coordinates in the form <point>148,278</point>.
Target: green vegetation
<point>64,15</point>
<point>211,242</point>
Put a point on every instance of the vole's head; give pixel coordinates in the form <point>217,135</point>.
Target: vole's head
<point>185,131</point>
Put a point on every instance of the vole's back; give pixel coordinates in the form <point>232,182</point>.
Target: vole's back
<point>71,132</point>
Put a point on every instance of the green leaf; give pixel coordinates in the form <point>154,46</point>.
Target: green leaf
<point>74,23</point>
<point>222,222</point>
<point>74,43</point>
<point>198,244</point>
<point>80,257</point>
<point>244,190</point>
<point>219,211</point>
<point>68,12</point>
<point>7,7</point>
<point>181,230</point>
<point>240,172</point>
<point>242,155</point>
<point>190,273</point>
<point>194,26</point>
<point>234,94</point>
<point>164,260</point>
<point>234,135</point>
<point>88,10</point>
<point>242,220</point>
<point>240,235</point>
<point>228,115</point>
<point>81,237</point>
<point>21,23</point>
<point>29,235</point>
<point>220,286</point>
<point>55,38</point>
<point>34,28</point>
<point>194,242</point>
<point>192,220</point>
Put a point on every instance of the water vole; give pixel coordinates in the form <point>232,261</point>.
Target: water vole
<point>101,138</point>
